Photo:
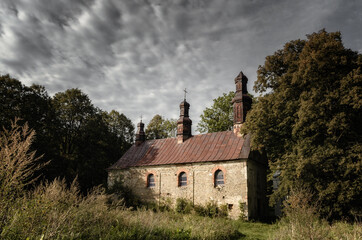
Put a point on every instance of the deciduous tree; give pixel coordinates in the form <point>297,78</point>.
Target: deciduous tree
<point>309,120</point>
<point>219,117</point>
<point>159,127</point>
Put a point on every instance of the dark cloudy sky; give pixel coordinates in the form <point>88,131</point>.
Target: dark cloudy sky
<point>137,56</point>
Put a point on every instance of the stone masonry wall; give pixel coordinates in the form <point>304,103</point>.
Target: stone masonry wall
<point>200,187</point>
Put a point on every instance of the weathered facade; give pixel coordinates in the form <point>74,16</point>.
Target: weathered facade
<point>216,167</point>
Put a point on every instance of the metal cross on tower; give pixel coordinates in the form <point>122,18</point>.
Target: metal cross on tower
<point>185,94</point>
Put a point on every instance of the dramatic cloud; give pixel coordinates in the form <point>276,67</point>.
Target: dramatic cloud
<point>138,56</point>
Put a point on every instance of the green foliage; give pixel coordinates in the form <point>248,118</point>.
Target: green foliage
<point>223,210</point>
<point>308,121</point>
<point>80,140</point>
<point>211,209</point>
<point>161,128</point>
<point>242,208</point>
<point>165,205</point>
<point>219,117</point>
<point>89,139</point>
<point>33,106</point>
<point>301,220</point>
<point>255,230</point>
<point>54,211</point>
<point>120,195</point>
<point>120,126</point>
<point>183,205</point>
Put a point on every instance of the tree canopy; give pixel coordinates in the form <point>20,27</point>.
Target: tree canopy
<point>219,117</point>
<point>308,120</point>
<point>79,139</point>
<point>159,127</point>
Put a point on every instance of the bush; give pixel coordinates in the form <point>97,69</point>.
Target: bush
<point>211,209</point>
<point>242,207</point>
<point>120,195</point>
<point>165,205</point>
<point>183,205</point>
<point>223,210</point>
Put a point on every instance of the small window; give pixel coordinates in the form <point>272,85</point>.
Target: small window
<point>151,180</point>
<point>219,178</point>
<point>182,179</point>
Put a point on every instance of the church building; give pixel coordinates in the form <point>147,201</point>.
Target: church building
<point>217,166</point>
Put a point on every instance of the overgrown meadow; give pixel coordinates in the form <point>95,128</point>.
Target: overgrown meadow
<point>57,210</point>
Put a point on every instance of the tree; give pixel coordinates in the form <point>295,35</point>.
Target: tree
<point>121,133</point>
<point>161,128</point>
<point>170,126</point>
<point>120,125</point>
<point>309,123</point>
<point>219,117</point>
<point>33,106</point>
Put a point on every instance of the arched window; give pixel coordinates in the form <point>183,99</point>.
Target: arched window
<point>182,179</point>
<point>151,180</point>
<point>219,178</point>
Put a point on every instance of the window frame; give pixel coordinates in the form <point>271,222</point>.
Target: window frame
<point>151,184</point>
<point>217,181</point>
<point>180,180</point>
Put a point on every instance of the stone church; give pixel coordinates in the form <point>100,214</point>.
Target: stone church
<point>216,166</point>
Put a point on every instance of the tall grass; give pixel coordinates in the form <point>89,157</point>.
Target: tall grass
<point>53,210</point>
<point>17,166</point>
<point>302,221</point>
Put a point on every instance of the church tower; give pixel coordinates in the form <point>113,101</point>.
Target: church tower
<point>184,122</point>
<point>140,134</point>
<point>241,102</point>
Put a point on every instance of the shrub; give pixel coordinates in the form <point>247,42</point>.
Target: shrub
<point>120,195</point>
<point>165,205</point>
<point>223,210</point>
<point>183,205</point>
<point>242,207</point>
<point>211,209</point>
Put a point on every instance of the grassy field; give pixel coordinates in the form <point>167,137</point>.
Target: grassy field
<point>54,210</point>
<point>255,230</point>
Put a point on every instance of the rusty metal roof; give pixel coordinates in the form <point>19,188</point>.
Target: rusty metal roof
<point>210,147</point>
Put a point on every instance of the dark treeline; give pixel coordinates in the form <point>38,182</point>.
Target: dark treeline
<point>79,139</point>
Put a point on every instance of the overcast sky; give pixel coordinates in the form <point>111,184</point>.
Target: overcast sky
<point>137,56</point>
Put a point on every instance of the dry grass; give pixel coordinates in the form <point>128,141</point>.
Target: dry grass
<point>302,221</point>
<point>54,211</point>
<point>57,211</point>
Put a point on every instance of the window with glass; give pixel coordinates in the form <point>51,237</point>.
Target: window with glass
<point>182,179</point>
<point>151,181</point>
<point>219,178</point>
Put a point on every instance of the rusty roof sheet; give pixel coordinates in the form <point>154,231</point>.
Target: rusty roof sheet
<point>210,147</point>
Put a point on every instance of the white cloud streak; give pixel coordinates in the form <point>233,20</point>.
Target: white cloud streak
<point>138,56</point>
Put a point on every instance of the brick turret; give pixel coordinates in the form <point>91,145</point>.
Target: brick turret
<point>184,123</point>
<point>140,134</point>
<point>241,102</point>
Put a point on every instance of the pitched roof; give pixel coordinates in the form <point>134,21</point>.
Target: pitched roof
<point>210,147</point>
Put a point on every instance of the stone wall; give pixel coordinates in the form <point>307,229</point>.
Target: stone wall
<point>200,183</point>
